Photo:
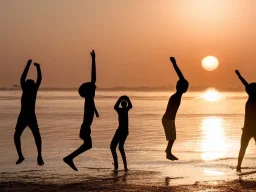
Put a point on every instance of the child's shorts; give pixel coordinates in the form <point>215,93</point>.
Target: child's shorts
<point>247,135</point>
<point>169,129</point>
<point>25,120</point>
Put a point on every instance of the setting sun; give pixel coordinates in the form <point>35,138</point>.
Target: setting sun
<point>210,63</point>
<point>211,95</point>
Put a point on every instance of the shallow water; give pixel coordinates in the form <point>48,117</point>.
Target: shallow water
<point>208,134</point>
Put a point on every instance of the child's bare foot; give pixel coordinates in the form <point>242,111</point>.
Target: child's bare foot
<point>126,169</point>
<point>238,169</point>
<point>40,161</point>
<point>70,163</point>
<point>174,158</point>
<point>20,160</point>
<point>115,168</point>
<point>171,157</point>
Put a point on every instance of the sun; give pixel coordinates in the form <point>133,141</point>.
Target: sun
<point>210,63</point>
<point>211,95</point>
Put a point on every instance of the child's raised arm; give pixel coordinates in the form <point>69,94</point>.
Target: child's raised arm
<point>39,75</point>
<point>24,74</point>
<point>181,77</point>
<point>116,107</point>
<point>129,106</point>
<point>93,73</point>
<point>241,78</point>
<point>95,110</point>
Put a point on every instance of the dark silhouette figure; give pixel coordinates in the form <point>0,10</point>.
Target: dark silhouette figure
<point>249,129</point>
<point>122,131</point>
<point>27,116</point>
<point>168,119</point>
<point>87,91</point>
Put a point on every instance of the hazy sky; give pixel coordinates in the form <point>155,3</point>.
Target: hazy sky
<point>133,40</point>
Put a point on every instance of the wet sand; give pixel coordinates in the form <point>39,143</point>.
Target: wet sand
<point>106,180</point>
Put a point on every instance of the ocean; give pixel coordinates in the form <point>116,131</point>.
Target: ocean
<point>207,145</point>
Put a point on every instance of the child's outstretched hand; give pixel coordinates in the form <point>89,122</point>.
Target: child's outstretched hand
<point>96,113</point>
<point>241,78</point>
<point>237,72</point>
<point>29,62</point>
<point>173,60</point>
<point>93,54</point>
<point>37,64</point>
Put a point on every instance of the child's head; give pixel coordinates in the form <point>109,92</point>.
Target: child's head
<point>30,84</point>
<point>251,90</point>
<point>124,103</point>
<point>87,90</point>
<point>182,86</point>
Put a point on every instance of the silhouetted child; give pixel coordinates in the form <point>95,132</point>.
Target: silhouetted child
<point>122,131</point>
<point>249,129</point>
<point>168,119</point>
<point>87,91</point>
<point>27,116</point>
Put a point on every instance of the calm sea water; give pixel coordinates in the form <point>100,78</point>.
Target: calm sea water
<point>207,132</point>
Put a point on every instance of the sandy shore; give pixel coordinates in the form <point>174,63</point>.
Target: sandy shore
<point>106,180</point>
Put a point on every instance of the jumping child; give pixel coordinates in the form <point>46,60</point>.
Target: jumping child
<point>122,131</point>
<point>87,91</point>
<point>168,119</point>
<point>249,129</point>
<point>27,116</point>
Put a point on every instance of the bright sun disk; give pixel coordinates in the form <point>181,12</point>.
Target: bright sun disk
<point>210,63</point>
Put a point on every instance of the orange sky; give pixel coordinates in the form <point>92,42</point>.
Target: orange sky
<point>133,40</point>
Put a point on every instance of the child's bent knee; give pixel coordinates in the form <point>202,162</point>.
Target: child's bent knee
<point>87,145</point>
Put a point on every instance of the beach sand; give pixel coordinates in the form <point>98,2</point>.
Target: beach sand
<point>107,180</point>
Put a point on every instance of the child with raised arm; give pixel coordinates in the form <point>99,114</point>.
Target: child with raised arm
<point>87,91</point>
<point>122,131</point>
<point>27,116</point>
<point>168,119</point>
<point>249,129</point>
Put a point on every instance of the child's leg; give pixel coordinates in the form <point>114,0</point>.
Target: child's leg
<point>168,149</point>
<point>170,133</point>
<point>19,130</point>
<point>121,149</point>
<point>113,146</point>
<point>35,130</point>
<point>244,143</point>
<point>38,142</point>
<point>84,147</point>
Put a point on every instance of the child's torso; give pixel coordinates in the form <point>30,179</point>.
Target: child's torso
<point>88,112</point>
<point>28,101</point>
<point>172,107</point>
<point>250,114</point>
<point>123,118</point>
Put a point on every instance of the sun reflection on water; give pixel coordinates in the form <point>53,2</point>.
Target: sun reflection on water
<point>212,95</point>
<point>213,145</point>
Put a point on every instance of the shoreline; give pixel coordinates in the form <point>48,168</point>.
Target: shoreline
<point>106,180</point>
<point>134,89</point>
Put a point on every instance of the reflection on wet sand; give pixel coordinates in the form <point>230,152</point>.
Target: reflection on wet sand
<point>212,172</point>
<point>117,177</point>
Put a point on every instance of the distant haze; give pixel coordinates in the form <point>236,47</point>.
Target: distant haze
<point>133,40</point>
